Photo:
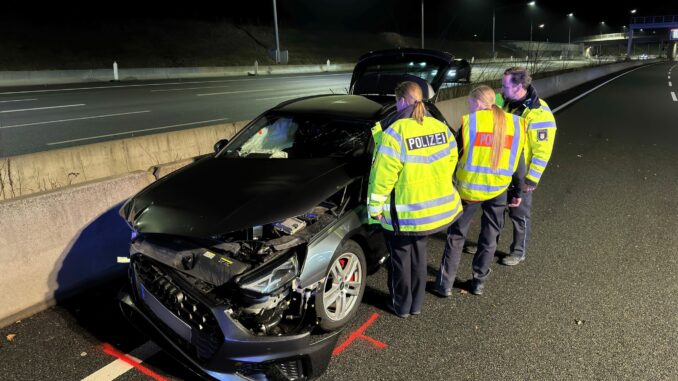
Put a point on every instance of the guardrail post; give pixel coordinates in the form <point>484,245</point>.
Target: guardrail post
<point>115,71</point>
<point>256,67</point>
<point>473,59</point>
<point>328,65</point>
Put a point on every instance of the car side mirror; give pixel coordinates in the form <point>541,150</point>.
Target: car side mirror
<point>218,146</point>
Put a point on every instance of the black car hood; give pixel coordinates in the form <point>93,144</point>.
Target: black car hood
<point>215,196</point>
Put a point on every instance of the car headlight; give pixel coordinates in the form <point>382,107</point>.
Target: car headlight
<point>280,275</point>
<point>451,73</point>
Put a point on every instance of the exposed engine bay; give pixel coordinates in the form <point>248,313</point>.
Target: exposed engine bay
<point>251,273</point>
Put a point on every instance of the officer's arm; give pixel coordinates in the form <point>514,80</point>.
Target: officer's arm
<point>541,133</point>
<point>387,166</point>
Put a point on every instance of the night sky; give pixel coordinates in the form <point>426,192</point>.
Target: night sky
<point>455,20</point>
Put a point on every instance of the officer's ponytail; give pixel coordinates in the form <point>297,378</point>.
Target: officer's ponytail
<point>499,136</point>
<point>486,99</point>
<point>411,92</point>
<point>419,112</point>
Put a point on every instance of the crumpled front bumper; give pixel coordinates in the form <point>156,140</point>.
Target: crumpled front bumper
<point>241,355</point>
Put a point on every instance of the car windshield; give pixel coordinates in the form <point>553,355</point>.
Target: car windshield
<point>283,137</point>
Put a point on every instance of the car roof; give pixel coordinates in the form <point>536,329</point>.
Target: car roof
<point>342,106</point>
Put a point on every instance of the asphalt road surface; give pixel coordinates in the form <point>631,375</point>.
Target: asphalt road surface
<point>47,117</point>
<point>595,299</point>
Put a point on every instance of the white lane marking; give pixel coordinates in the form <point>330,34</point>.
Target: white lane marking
<point>320,90</point>
<point>191,88</point>
<point>290,96</point>
<point>41,108</point>
<point>673,95</point>
<point>592,90</point>
<point>73,119</point>
<point>19,100</point>
<point>168,84</point>
<point>131,132</point>
<point>118,367</point>
<point>670,84</point>
<point>233,92</point>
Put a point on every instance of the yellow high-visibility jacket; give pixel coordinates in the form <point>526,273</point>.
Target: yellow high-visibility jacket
<point>541,134</point>
<point>411,178</point>
<point>475,178</point>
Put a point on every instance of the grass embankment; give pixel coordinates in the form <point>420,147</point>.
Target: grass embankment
<point>180,43</point>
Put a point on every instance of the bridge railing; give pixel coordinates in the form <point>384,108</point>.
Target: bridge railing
<point>654,19</point>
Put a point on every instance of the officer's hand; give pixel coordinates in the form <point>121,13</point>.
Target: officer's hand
<point>529,188</point>
<point>515,202</point>
<point>378,217</point>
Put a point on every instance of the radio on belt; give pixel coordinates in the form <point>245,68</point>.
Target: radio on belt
<point>290,225</point>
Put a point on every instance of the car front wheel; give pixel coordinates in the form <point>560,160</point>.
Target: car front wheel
<point>344,286</point>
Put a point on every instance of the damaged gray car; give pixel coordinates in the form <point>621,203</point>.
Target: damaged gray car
<point>248,262</point>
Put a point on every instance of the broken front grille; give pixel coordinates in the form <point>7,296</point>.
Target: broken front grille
<point>205,336</point>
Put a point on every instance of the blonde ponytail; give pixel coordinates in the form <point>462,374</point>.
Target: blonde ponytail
<point>499,136</point>
<point>419,112</point>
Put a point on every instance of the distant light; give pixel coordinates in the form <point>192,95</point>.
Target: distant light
<point>602,23</point>
<point>541,25</point>
<point>532,3</point>
<point>422,64</point>
<point>475,35</point>
<point>641,30</point>
<point>633,11</point>
<point>410,64</point>
<point>570,14</point>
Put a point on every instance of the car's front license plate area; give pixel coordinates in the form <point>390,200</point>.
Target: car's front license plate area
<point>166,316</point>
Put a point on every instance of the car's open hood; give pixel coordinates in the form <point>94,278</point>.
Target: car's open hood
<point>378,73</point>
<point>219,195</point>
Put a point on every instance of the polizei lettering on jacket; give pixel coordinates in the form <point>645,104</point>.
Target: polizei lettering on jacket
<point>426,141</point>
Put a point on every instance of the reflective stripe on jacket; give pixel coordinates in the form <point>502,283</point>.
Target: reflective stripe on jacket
<point>475,178</point>
<point>411,177</point>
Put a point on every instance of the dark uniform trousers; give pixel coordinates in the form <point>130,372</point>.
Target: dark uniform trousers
<point>407,271</point>
<point>521,225</point>
<point>491,223</point>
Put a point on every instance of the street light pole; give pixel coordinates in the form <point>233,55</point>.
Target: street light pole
<point>422,24</point>
<point>493,20</point>
<point>277,39</point>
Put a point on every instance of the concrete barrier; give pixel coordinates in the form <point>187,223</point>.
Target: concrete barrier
<point>54,243</point>
<point>37,172</point>
<point>453,109</point>
<point>54,77</point>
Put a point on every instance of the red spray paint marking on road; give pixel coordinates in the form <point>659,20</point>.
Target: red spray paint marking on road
<point>108,349</point>
<point>358,334</point>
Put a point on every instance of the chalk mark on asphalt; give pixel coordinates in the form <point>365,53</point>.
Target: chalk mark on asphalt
<point>41,108</point>
<point>119,367</point>
<point>74,119</point>
<point>132,132</point>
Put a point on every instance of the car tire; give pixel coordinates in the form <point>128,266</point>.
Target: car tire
<point>339,296</point>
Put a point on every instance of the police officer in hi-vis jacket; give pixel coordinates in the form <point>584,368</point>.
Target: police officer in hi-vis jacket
<point>491,145</point>
<point>520,98</point>
<point>411,193</point>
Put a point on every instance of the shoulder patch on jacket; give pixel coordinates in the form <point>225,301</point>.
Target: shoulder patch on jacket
<point>542,135</point>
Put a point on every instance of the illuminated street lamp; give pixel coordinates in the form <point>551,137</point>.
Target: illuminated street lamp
<point>570,16</point>
<point>494,9</point>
